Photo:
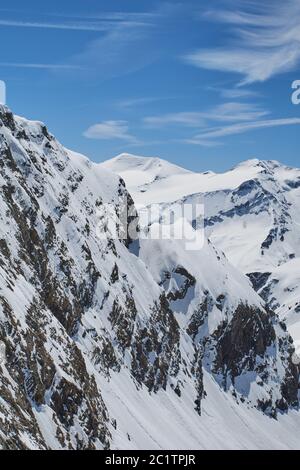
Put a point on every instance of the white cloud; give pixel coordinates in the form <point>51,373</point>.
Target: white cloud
<point>99,25</point>
<point>254,65</point>
<point>132,102</point>
<point>266,40</point>
<point>208,137</point>
<point>102,55</point>
<point>110,130</point>
<point>202,142</point>
<point>130,44</point>
<point>233,93</point>
<point>226,112</point>
<point>123,16</point>
<point>116,53</point>
<point>192,119</point>
<point>227,119</point>
<point>40,66</point>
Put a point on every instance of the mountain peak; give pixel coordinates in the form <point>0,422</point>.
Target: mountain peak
<point>3,108</point>
<point>154,167</point>
<point>22,126</point>
<point>255,162</point>
<point>137,160</point>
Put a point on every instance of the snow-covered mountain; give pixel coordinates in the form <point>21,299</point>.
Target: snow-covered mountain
<point>174,182</point>
<point>251,213</point>
<point>114,343</point>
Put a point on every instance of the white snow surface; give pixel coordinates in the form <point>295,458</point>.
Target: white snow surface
<point>153,180</point>
<point>164,421</point>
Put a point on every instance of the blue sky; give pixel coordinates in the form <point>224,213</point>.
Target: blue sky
<point>202,84</point>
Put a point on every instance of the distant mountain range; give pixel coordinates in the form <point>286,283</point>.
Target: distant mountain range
<point>251,214</point>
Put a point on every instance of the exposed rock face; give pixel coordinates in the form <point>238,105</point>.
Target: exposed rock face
<point>77,309</point>
<point>156,352</point>
<point>263,216</point>
<point>245,344</point>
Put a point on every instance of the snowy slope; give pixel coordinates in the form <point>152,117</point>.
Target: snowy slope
<point>166,421</point>
<point>117,344</point>
<point>251,213</point>
<point>148,187</point>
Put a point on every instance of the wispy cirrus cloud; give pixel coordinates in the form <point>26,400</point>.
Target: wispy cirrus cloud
<point>253,65</point>
<point>99,25</point>
<point>226,112</point>
<point>266,40</point>
<point>133,102</point>
<point>110,130</point>
<point>40,66</point>
<point>190,119</point>
<point>117,52</point>
<point>117,30</point>
<point>221,121</point>
<point>131,44</point>
<point>208,137</point>
<point>124,41</point>
<point>234,93</point>
<point>137,17</point>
